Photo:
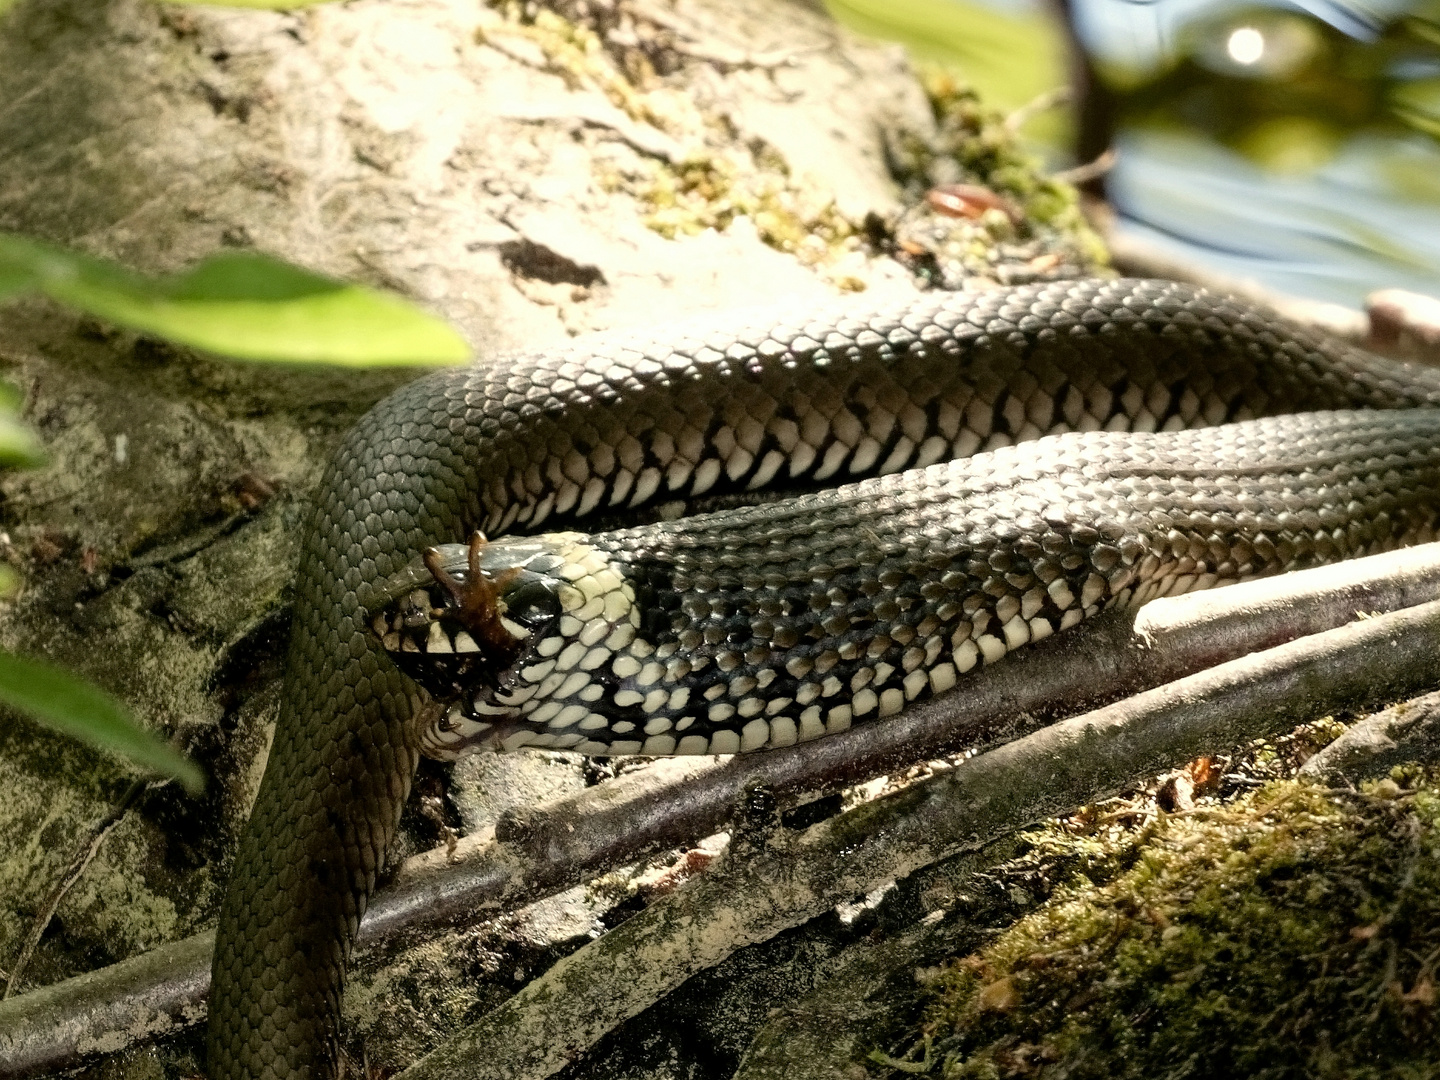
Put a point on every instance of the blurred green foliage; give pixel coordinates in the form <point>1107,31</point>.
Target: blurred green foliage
<point>1009,58</point>
<point>61,701</point>
<point>52,696</point>
<point>1288,109</point>
<point>240,304</point>
<point>18,446</point>
<point>1301,88</point>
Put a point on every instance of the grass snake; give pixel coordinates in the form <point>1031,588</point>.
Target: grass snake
<point>764,625</point>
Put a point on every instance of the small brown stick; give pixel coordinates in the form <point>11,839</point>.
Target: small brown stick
<point>1090,170</point>
<point>541,850</point>
<point>795,878</point>
<point>1404,324</point>
<point>1041,102</point>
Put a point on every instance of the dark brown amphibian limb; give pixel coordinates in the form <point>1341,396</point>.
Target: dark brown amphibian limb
<point>477,599</point>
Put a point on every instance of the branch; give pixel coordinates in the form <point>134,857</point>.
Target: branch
<point>794,878</point>
<point>534,852</point>
<point>1089,172</point>
<point>1401,734</point>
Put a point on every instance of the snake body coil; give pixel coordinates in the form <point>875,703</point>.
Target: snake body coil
<point>768,625</point>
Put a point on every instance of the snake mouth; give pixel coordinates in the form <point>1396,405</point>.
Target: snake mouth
<point>461,614</point>
<point>486,629</point>
<point>516,642</point>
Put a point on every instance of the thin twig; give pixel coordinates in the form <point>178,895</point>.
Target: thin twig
<point>1091,170</point>
<point>1403,733</point>
<point>1042,102</point>
<point>535,852</point>
<point>85,852</point>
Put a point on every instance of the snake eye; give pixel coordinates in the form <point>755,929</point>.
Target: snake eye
<point>530,604</point>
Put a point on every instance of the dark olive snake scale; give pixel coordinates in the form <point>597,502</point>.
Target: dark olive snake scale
<point>839,607</point>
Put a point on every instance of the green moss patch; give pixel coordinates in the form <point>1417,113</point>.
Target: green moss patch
<point>711,190</point>
<point>1038,231</point>
<point>1292,933</point>
<point>982,144</point>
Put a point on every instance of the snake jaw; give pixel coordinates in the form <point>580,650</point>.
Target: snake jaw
<point>464,622</point>
<point>478,600</point>
<point>444,622</point>
<point>577,613</point>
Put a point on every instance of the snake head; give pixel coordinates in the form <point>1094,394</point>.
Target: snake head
<point>459,615</point>
<point>516,641</point>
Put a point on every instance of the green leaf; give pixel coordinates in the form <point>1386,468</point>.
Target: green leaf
<point>14,280</point>
<point>68,704</point>
<point>240,304</point>
<point>9,582</point>
<point>18,445</point>
<point>19,263</point>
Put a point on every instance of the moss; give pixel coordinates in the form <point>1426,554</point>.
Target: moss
<point>711,190</point>
<point>1294,932</point>
<point>984,146</point>
<point>576,54</point>
<point>972,144</point>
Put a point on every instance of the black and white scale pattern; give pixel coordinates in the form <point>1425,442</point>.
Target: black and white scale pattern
<point>763,626</point>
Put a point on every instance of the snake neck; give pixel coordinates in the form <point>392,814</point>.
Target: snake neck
<point>339,772</point>
<point>339,769</point>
